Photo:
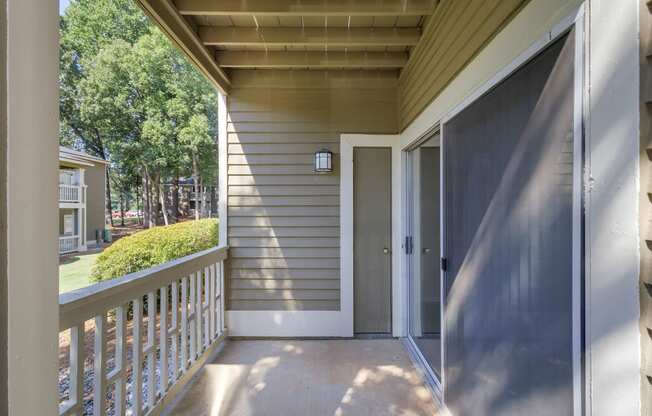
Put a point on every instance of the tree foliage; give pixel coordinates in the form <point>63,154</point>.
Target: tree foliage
<point>131,97</point>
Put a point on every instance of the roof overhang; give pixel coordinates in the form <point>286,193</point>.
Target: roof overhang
<point>220,36</point>
<point>76,158</point>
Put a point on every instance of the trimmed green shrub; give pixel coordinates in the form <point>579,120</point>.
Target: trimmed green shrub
<point>155,246</point>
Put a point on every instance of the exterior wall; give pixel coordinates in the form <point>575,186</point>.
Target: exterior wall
<point>95,178</point>
<point>645,207</point>
<point>451,38</point>
<point>283,219</point>
<point>32,209</point>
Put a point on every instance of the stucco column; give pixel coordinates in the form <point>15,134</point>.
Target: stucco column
<point>31,206</point>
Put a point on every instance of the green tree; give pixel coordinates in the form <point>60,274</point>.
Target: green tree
<point>85,29</point>
<point>132,98</point>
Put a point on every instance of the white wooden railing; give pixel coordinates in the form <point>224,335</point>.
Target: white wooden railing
<point>69,193</point>
<point>68,243</point>
<point>141,378</point>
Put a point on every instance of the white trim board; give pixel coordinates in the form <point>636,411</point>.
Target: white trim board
<point>222,152</point>
<point>347,143</point>
<point>289,324</point>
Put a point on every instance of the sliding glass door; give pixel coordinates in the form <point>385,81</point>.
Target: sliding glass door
<point>512,192</point>
<point>424,251</point>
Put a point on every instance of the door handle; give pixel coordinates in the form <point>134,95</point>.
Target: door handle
<point>386,250</point>
<point>426,250</point>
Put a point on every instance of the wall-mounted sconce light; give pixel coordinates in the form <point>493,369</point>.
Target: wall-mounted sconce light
<point>324,161</point>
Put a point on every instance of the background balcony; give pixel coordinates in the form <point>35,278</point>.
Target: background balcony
<point>69,193</point>
<point>68,243</point>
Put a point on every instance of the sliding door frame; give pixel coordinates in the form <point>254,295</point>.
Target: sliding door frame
<point>433,379</point>
<point>575,21</point>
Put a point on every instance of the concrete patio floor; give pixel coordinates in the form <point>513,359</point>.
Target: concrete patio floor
<point>309,378</point>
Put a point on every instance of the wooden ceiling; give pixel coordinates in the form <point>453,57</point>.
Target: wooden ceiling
<point>221,35</point>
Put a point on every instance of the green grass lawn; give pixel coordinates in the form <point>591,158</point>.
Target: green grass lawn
<point>75,270</point>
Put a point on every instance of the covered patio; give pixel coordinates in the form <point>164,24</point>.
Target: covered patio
<point>472,248</point>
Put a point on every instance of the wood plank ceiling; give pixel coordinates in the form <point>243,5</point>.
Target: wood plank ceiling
<point>292,34</point>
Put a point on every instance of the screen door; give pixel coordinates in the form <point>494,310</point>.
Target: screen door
<point>508,166</point>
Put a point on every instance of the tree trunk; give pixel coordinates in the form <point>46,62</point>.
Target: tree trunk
<point>195,180</point>
<point>122,209</point>
<point>205,213</point>
<point>139,200</point>
<point>162,198</point>
<point>145,199</point>
<point>175,197</point>
<point>213,202</point>
<point>150,205</point>
<point>107,205</point>
<point>155,204</point>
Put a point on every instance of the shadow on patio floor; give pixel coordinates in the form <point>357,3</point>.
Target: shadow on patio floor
<point>315,377</point>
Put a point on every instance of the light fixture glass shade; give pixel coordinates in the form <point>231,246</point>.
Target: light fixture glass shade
<point>324,161</point>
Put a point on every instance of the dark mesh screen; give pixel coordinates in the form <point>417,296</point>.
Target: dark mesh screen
<point>508,183</point>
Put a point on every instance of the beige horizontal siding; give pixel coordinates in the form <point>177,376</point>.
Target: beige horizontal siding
<point>283,263</point>
<point>286,274</point>
<point>452,36</point>
<point>284,305</point>
<point>255,201</point>
<point>293,284</point>
<point>284,211</point>
<point>273,190</point>
<point>283,294</point>
<point>283,179</point>
<point>284,221</point>
<point>267,221</point>
<point>283,232</point>
<point>284,242</point>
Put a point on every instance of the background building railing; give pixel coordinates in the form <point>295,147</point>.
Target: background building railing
<point>132,343</point>
<point>68,243</point>
<point>69,193</point>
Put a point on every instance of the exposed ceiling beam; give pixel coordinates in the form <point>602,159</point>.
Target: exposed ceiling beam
<point>177,29</point>
<point>325,60</point>
<point>307,7</point>
<point>309,36</point>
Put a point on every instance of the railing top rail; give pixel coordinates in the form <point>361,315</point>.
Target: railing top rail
<point>85,303</point>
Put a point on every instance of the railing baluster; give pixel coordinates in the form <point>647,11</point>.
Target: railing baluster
<point>198,313</point>
<point>99,367</point>
<point>184,324</point>
<point>211,295</point>
<point>206,308</point>
<point>151,350</point>
<point>192,318</point>
<point>120,402</point>
<point>77,334</point>
<point>220,285</point>
<point>174,331</point>
<point>163,342</point>
<point>137,358</point>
